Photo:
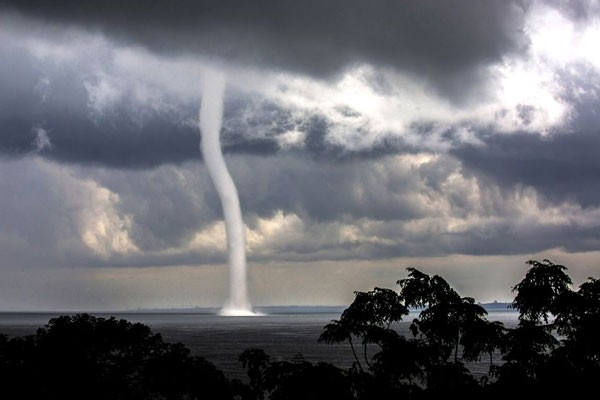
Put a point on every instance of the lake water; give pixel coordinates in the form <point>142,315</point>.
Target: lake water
<point>282,335</point>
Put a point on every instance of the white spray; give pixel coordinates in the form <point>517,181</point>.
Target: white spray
<point>210,120</point>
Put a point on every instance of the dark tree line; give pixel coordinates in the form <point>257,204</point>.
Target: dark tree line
<point>553,351</point>
<point>83,357</point>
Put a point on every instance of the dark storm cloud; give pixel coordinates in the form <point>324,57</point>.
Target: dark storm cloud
<point>434,38</point>
<point>563,167</point>
<point>169,205</point>
<point>443,41</point>
<point>391,194</point>
<point>297,209</point>
<point>126,135</point>
<point>580,10</point>
<point>328,191</point>
<point>161,201</point>
<point>76,137</point>
<point>34,212</point>
<point>328,180</point>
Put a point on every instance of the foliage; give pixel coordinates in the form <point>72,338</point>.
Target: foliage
<point>556,340</point>
<point>451,331</point>
<point>302,380</point>
<point>369,313</point>
<point>256,361</point>
<point>81,356</point>
<point>540,292</point>
<point>447,320</point>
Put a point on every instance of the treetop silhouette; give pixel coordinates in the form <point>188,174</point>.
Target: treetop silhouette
<point>556,340</point>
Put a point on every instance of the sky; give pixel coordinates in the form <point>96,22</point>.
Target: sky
<point>459,137</point>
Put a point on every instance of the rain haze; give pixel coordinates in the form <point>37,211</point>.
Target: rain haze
<point>460,137</point>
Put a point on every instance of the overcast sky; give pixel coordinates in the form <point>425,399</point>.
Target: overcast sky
<point>458,136</point>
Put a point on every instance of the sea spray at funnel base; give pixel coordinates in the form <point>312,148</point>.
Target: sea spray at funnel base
<point>210,121</point>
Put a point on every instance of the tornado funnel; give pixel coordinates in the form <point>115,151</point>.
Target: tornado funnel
<point>210,122</point>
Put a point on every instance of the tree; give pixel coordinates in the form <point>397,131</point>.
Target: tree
<point>446,319</point>
<point>82,356</point>
<point>369,312</point>
<point>529,344</point>
<point>338,331</point>
<point>256,361</point>
<point>540,291</point>
<point>578,322</point>
<point>484,337</point>
<point>401,360</point>
<point>303,380</point>
<point>422,291</point>
<point>531,347</point>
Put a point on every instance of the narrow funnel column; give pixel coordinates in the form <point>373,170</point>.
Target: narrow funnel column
<point>211,114</point>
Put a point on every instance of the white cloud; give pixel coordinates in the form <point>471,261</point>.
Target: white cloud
<point>41,141</point>
<point>291,139</point>
<point>271,235</point>
<point>212,238</point>
<point>560,40</point>
<point>103,229</point>
<point>53,216</point>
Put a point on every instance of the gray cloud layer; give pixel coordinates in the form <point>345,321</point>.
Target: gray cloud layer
<point>444,41</point>
<point>296,209</point>
<point>131,144</point>
<point>357,132</point>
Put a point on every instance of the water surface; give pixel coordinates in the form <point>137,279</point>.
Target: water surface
<point>221,339</point>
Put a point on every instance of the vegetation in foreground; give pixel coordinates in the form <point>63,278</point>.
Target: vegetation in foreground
<point>553,351</point>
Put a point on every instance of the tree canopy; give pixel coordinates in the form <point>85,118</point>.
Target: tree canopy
<point>555,341</point>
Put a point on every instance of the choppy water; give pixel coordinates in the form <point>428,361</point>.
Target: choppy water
<point>222,339</point>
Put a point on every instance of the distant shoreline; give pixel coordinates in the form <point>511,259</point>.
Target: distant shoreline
<point>271,310</point>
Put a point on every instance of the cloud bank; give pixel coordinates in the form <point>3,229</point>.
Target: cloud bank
<point>357,132</point>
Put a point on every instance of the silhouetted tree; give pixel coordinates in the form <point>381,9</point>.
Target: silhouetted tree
<point>484,337</point>
<point>578,324</point>
<point>422,291</point>
<point>534,358</point>
<point>401,362</point>
<point>529,345</point>
<point>540,291</point>
<point>369,312</point>
<point>4,362</point>
<point>256,361</point>
<point>578,321</point>
<point>451,380</point>
<point>556,340</point>
<point>300,379</point>
<point>447,320</point>
<point>338,331</point>
<point>446,323</point>
<point>81,356</point>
